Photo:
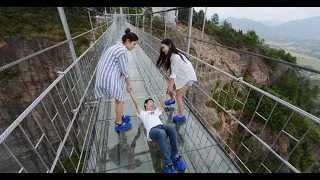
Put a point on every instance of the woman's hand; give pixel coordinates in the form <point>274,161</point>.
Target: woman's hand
<point>170,88</point>
<point>129,88</point>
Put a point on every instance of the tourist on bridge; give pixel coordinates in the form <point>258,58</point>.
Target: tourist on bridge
<point>112,73</point>
<point>158,132</point>
<point>182,74</point>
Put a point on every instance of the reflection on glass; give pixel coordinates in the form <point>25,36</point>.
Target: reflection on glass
<point>122,154</point>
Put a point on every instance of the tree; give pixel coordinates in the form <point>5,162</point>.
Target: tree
<point>197,19</point>
<point>147,12</point>
<point>226,25</point>
<point>225,28</point>
<point>252,38</point>
<point>215,19</point>
<point>157,23</point>
<point>163,15</point>
<point>210,28</point>
<point>183,15</point>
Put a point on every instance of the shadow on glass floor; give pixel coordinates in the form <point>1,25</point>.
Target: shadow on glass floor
<point>122,154</point>
<point>126,159</point>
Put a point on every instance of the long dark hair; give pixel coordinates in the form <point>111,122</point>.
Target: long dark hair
<point>164,60</point>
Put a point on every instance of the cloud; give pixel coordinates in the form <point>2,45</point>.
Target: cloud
<point>263,13</point>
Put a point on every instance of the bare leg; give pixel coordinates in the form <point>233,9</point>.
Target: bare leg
<point>179,95</point>
<point>119,111</point>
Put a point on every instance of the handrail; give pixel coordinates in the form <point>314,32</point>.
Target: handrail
<point>240,79</point>
<point>23,115</point>
<point>2,68</point>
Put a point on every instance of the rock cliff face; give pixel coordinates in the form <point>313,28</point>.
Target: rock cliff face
<point>235,63</point>
<point>19,87</point>
<point>255,70</point>
<point>32,76</point>
<point>21,84</point>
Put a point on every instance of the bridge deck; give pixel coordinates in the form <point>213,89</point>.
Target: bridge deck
<point>130,151</point>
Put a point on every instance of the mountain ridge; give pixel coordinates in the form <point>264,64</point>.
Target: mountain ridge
<point>300,28</point>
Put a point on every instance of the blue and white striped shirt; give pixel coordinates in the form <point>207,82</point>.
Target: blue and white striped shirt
<point>112,69</point>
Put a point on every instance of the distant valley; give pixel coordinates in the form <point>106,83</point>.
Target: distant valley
<point>304,28</point>
<point>299,37</point>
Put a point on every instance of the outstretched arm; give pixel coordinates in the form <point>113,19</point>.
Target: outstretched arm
<point>160,107</point>
<point>134,99</point>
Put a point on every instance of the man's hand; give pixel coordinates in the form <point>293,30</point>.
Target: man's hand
<point>135,101</point>
<point>160,107</point>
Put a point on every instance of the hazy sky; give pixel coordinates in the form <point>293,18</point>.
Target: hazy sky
<point>263,13</point>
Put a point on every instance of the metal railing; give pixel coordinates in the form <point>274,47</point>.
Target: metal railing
<point>29,76</point>
<point>198,146</point>
<point>244,119</point>
<point>51,135</point>
<point>252,137</point>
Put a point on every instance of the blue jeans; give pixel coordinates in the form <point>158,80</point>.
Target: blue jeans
<point>159,135</point>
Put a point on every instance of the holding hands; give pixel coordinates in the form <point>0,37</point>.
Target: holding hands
<point>129,88</point>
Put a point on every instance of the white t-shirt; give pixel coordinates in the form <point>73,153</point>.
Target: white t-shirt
<point>150,119</point>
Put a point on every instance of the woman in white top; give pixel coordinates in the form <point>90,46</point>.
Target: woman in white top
<point>182,74</point>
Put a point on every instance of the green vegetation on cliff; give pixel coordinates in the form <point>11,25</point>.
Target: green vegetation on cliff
<point>43,22</point>
<point>227,36</point>
<point>291,87</point>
